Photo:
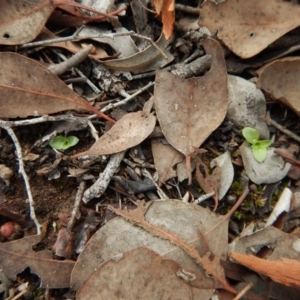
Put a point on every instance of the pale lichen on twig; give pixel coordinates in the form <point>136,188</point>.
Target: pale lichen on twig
<point>14,138</point>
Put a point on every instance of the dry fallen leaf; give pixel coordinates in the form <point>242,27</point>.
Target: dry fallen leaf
<point>248,27</point>
<point>17,255</point>
<point>179,220</point>
<point>166,8</point>
<point>165,158</point>
<point>22,21</point>
<point>189,110</point>
<point>137,274</point>
<point>128,132</point>
<point>146,60</point>
<point>27,88</point>
<point>285,271</point>
<point>281,79</point>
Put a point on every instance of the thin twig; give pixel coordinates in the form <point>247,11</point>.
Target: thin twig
<point>124,101</point>
<point>99,187</point>
<point>270,121</point>
<point>23,173</point>
<point>76,205</point>
<point>243,291</point>
<point>231,212</point>
<point>73,61</point>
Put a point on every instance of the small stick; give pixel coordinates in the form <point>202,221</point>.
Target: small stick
<point>76,205</point>
<point>99,187</point>
<point>23,173</point>
<point>73,61</point>
<point>231,212</point>
<point>122,102</point>
<point>270,121</point>
<point>243,291</point>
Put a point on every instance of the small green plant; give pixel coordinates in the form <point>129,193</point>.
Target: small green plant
<point>63,143</point>
<point>259,148</point>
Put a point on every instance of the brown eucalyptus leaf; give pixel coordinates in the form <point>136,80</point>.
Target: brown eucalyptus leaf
<point>165,157</point>
<point>189,110</point>
<point>22,21</point>
<point>137,274</point>
<point>128,132</point>
<point>248,27</point>
<point>17,255</point>
<point>27,88</point>
<point>281,79</point>
<point>180,220</point>
<point>146,60</point>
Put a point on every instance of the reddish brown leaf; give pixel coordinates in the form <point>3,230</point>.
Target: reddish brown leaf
<point>166,8</point>
<point>128,132</point>
<point>285,271</point>
<point>28,88</point>
<point>281,79</point>
<point>248,27</point>
<point>17,255</point>
<point>22,21</point>
<point>138,274</point>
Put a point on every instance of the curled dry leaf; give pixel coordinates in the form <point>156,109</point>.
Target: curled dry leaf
<point>17,255</point>
<point>22,21</point>
<point>168,227</point>
<point>248,27</point>
<point>128,132</point>
<point>146,60</point>
<point>189,110</point>
<point>137,274</point>
<point>281,79</point>
<point>27,88</point>
<point>165,158</point>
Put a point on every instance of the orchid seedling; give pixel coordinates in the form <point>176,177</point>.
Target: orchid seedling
<point>63,143</point>
<point>259,147</point>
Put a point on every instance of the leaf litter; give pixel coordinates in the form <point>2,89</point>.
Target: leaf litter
<point>185,241</point>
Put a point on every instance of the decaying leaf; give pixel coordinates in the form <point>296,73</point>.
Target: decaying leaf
<point>207,182</point>
<point>27,88</point>
<point>121,44</point>
<point>189,110</point>
<point>282,80</point>
<point>22,21</point>
<point>248,27</point>
<point>128,132</point>
<point>170,228</point>
<point>166,8</point>
<point>17,255</point>
<point>137,274</point>
<point>165,158</point>
<point>285,271</point>
<point>147,60</point>
<point>226,172</point>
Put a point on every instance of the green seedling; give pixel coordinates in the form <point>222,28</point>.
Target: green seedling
<point>259,147</point>
<point>63,143</point>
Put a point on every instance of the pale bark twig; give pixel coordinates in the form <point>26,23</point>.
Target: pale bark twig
<point>99,187</point>
<point>23,173</point>
<point>76,205</point>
